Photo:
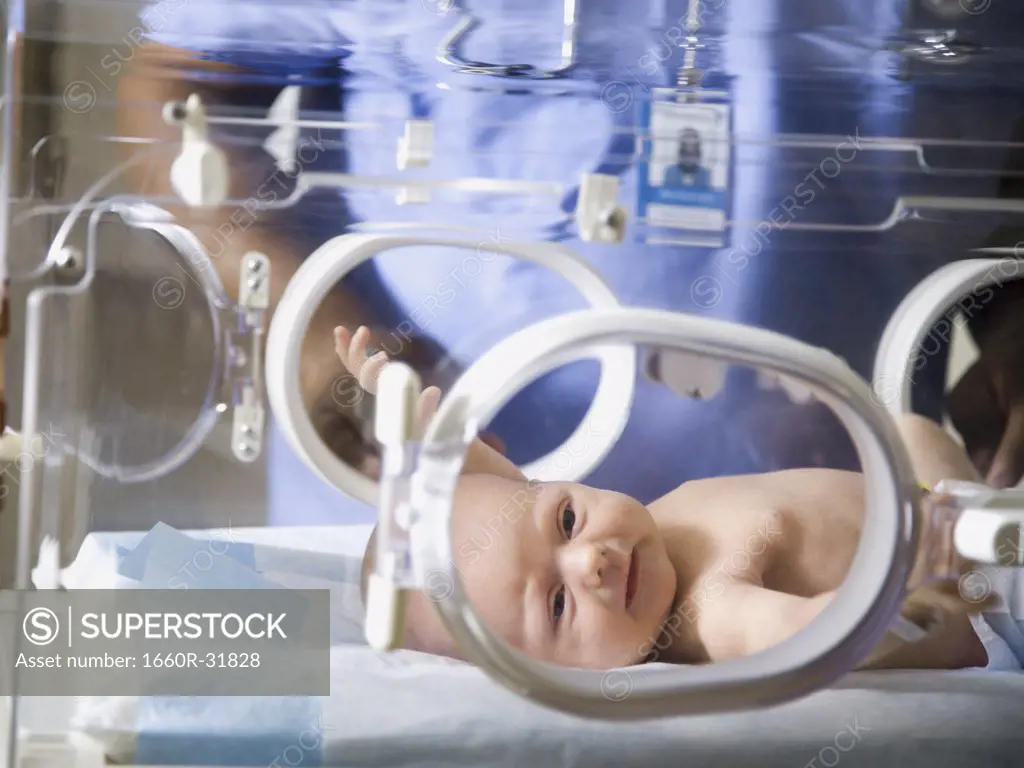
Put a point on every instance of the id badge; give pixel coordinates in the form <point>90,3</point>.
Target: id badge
<point>685,174</point>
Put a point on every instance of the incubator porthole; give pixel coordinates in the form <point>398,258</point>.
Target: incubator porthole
<point>325,268</point>
<point>149,387</point>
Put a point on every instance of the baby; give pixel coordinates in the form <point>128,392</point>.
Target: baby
<point>716,569</point>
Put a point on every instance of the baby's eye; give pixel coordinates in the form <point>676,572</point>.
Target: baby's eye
<point>568,521</point>
<point>558,605</point>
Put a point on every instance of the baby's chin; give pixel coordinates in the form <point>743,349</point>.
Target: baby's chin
<point>664,584</point>
<point>630,654</point>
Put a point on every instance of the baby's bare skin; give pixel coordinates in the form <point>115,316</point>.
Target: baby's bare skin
<point>726,566</point>
<point>760,555</point>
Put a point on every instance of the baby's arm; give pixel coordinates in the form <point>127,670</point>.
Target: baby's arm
<point>933,454</point>
<point>351,349</point>
<point>747,618</point>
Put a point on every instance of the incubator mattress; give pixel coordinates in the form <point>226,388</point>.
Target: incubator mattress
<point>412,710</point>
<point>449,715</point>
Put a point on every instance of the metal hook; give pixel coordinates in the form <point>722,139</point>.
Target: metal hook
<point>448,50</point>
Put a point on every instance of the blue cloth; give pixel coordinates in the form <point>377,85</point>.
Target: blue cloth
<point>133,563</point>
<point>215,730</point>
<point>229,731</point>
<point>168,559</point>
<point>378,61</point>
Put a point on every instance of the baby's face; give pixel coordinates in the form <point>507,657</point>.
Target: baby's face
<point>568,574</point>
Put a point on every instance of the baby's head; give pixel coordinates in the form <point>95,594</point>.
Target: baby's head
<point>567,574</point>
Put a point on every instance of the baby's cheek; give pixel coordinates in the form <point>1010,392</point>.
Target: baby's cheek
<point>623,643</point>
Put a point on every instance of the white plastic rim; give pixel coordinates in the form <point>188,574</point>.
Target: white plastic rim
<point>846,631</point>
<point>901,352</point>
<point>144,216</point>
<point>328,265</point>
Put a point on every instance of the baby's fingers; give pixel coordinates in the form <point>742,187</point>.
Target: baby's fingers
<point>370,372</point>
<point>342,341</point>
<point>351,350</point>
<point>357,350</point>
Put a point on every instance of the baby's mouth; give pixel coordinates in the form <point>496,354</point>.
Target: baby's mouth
<point>632,578</point>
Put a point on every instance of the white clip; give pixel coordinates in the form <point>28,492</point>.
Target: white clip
<point>698,378</point>
<point>990,536</point>
<point>398,390</point>
<point>200,174</point>
<point>599,217</point>
<point>416,147</point>
<point>796,392</point>
<point>412,196</point>
<point>385,614</point>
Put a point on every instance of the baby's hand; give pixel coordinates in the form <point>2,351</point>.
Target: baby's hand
<point>351,350</point>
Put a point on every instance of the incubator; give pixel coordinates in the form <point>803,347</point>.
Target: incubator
<point>636,243</point>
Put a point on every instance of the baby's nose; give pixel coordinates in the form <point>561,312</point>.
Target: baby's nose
<point>587,565</point>
<point>591,564</point>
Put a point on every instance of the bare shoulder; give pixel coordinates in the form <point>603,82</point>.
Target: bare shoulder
<point>719,533</point>
<point>733,518</point>
<point>792,533</point>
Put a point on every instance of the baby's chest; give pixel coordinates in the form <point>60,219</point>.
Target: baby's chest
<point>740,550</point>
<point>812,553</point>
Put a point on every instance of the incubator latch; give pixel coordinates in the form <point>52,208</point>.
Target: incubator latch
<point>200,174</point>
<point>416,147</point>
<point>244,344</point>
<point>989,525</point>
<point>415,150</point>
<point>412,196</point>
<point>797,392</point>
<point>397,430</point>
<point>698,378</point>
<point>599,216</point>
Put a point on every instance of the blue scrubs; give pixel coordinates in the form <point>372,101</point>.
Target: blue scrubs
<point>377,61</point>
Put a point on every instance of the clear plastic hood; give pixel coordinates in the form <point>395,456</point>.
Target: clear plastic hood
<point>195,194</point>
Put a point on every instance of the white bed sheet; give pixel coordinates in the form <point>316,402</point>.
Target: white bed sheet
<point>403,712</point>
<point>436,717</point>
<point>408,709</point>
